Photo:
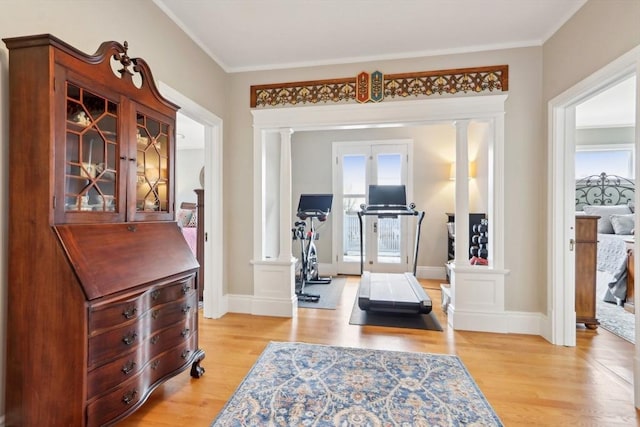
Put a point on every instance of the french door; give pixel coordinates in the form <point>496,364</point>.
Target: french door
<point>359,165</point>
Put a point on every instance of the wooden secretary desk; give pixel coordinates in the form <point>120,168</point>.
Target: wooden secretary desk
<point>102,292</point>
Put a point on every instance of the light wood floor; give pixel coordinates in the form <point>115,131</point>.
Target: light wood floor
<point>528,381</point>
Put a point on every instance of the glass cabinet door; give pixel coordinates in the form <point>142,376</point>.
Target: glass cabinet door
<point>91,166</point>
<point>152,160</point>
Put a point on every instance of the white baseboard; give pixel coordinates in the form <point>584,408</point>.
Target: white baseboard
<point>239,303</point>
<point>249,304</point>
<point>422,272</point>
<point>508,322</point>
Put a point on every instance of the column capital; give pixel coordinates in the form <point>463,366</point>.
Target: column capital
<point>461,123</point>
<point>286,132</point>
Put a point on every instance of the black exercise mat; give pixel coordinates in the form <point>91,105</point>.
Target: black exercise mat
<point>395,320</point>
<point>330,294</point>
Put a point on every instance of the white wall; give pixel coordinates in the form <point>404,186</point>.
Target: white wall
<point>188,166</point>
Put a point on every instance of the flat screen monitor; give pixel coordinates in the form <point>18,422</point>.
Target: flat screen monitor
<point>315,202</point>
<point>387,195</point>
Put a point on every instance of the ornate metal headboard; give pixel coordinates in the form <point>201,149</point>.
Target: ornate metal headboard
<point>604,189</point>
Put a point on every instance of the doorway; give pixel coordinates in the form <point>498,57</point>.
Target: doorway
<point>214,302</point>
<point>358,165</point>
<point>605,159</point>
<point>562,124</point>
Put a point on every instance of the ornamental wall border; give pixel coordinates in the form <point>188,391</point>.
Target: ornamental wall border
<point>376,87</point>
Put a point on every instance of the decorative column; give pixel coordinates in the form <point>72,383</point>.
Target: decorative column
<point>285,254</point>
<point>477,292</point>
<point>462,193</point>
<point>273,264</point>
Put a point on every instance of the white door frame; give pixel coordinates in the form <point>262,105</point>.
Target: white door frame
<point>273,279</point>
<point>214,302</point>
<point>337,235</point>
<point>561,260</point>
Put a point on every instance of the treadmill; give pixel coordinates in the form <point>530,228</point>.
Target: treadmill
<point>391,292</point>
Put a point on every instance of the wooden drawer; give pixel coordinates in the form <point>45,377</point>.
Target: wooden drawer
<point>168,314</point>
<point>128,394</point>
<point>173,359</point>
<point>123,398</point>
<point>173,292</point>
<point>173,336</point>
<point>106,316</point>
<point>111,344</point>
<point>103,377</point>
<point>113,373</point>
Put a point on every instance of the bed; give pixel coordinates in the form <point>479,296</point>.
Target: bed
<point>187,218</point>
<point>611,198</point>
<point>190,219</point>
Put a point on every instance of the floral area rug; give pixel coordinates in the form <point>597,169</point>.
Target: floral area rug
<point>295,384</point>
<point>616,320</point>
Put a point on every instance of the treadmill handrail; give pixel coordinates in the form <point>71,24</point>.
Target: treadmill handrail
<point>412,212</point>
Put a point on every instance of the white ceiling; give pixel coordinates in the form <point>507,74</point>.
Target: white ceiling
<point>247,35</point>
<point>250,35</point>
<point>615,107</point>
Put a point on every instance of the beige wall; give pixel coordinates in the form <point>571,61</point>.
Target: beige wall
<point>172,56</point>
<point>601,31</point>
<point>524,161</point>
<point>433,192</point>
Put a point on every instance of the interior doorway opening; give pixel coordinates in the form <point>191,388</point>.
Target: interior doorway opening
<point>214,301</point>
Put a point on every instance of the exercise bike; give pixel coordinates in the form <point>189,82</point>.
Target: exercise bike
<point>310,207</point>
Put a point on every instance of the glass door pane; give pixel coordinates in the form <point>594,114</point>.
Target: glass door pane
<point>152,165</point>
<point>384,248</point>
<point>91,152</point>
<point>354,173</point>
<point>388,172</point>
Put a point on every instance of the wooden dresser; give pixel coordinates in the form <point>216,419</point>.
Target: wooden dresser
<point>586,265</point>
<point>102,295</point>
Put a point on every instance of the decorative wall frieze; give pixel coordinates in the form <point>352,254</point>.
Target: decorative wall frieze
<point>376,87</point>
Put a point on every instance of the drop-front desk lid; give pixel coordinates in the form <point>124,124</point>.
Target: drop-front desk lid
<point>109,258</point>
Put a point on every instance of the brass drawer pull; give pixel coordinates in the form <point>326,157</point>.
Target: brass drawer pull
<point>129,339</point>
<point>155,339</point>
<point>154,364</point>
<point>130,366</point>
<point>185,354</point>
<point>186,309</point>
<point>129,397</point>
<point>155,294</point>
<point>155,314</point>
<point>185,332</point>
<point>186,288</point>
<point>132,228</point>
<point>130,313</point>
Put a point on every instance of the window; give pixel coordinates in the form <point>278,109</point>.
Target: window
<point>613,159</point>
